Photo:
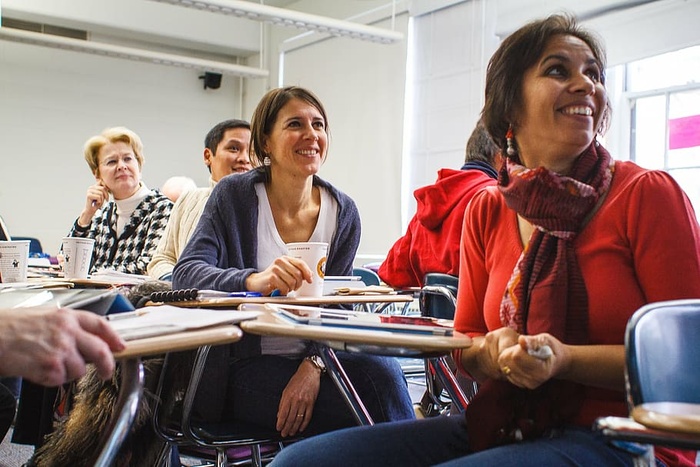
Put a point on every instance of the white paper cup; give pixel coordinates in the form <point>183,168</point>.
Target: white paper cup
<point>14,257</point>
<point>313,254</point>
<point>77,254</point>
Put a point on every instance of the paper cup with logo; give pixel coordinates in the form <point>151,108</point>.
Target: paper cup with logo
<point>77,254</point>
<point>14,258</point>
<point>314,254</point>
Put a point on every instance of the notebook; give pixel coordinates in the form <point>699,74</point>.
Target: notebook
<point>315,316</point>
<point>167,319</point>
<point>98,301</point>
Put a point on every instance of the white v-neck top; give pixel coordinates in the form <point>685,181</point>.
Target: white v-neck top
<point>271,246</point>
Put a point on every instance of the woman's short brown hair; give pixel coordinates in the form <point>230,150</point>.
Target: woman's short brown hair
<point>92,147</point>
<point>266,112</point>
<point>516,54</point>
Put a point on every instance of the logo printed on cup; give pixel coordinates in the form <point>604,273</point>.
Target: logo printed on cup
<point>14,259</point>
<point>314,255</point>
<point>321,268</point>
<point>78,256</point>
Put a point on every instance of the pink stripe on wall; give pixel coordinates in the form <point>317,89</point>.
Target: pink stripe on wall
<point>684,132</point>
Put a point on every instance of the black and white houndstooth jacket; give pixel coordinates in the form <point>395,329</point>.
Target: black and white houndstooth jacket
<point>132,252</point>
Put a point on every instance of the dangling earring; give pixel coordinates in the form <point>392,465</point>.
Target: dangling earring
<point>267,161</point>
<point>510,150</point>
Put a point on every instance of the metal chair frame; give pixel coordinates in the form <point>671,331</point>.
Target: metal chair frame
<point>188,433</point>
<point>444,393</point>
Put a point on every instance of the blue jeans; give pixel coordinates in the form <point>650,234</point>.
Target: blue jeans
<point>8,403</point>
<point>443,441</point>
<point>255,388</point>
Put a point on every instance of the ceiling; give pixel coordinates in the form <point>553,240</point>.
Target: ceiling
<point>163,27</point>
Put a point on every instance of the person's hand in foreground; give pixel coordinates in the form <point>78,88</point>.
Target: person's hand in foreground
<point>50,346</point>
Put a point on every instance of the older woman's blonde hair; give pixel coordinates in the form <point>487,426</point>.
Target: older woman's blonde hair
<point>92,147</point>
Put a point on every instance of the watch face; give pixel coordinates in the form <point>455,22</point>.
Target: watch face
<point>318,361</point>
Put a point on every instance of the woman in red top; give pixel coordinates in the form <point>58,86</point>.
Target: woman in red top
<point>554,261</point>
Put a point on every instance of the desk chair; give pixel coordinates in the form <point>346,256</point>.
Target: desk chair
<point>34,244</point>
<point>662,353</point>
<point>368,276</point>
<point>173,423</point>
<point>438,299</point>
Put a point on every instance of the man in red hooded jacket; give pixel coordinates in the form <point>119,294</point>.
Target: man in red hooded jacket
<point>431,243</point>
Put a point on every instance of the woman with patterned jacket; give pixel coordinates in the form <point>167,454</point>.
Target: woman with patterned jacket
<point>128,228</point>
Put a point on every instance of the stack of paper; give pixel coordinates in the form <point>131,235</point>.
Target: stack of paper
<point>167,319</point>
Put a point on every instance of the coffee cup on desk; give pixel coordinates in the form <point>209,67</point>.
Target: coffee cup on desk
<point>14,259</point>
<point>77,254</point>
<point>314,255</point>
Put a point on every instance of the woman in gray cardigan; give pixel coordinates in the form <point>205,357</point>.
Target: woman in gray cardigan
<point>239,244</point>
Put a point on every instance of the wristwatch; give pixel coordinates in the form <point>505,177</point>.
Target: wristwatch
<point>317,361</point>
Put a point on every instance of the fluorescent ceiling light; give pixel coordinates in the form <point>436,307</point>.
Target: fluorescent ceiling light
<point>140,55</point>
<point>298,19</point>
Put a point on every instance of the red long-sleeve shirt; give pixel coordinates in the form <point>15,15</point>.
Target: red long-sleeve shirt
<point>642,246</point>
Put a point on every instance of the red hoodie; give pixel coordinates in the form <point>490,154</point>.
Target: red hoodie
<point>431,243</point>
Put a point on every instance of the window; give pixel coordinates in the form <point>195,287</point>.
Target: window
<point>664,99</point>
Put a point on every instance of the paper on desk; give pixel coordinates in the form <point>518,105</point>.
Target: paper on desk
<point>367,290</point>
<point>166,319</point>
<point>121,278</point>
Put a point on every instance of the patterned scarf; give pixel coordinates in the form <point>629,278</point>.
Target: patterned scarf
<point>546,292</point>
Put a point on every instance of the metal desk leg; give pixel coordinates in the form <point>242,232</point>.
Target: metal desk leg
<point>132,381</point>
<point>347,390</point>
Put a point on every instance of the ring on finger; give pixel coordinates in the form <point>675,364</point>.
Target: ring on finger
<point>300,415</point>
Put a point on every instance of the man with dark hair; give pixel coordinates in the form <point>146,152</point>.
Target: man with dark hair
<point>226,151</point>
<point>431,243</point>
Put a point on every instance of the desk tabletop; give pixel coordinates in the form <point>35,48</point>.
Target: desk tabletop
<point>57,282</point>
<point>313,301</point>
<point>671,416</point>
<point>269,324</point>
<point>185,340</point>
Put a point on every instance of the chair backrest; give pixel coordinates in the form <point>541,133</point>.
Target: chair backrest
<point>438,296</point>
<point>34,244</point>
<point>368,276</point>
<point>662,344</point>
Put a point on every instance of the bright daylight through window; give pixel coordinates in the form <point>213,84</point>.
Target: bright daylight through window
<point>664,98</point>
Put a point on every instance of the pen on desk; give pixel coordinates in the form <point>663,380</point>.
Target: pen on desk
<point>245,294</point>
<point>204,294</point>
<point>128,314</point>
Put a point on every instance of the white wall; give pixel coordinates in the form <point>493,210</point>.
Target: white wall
<point>452,47</point>
<point>52,101</point>
<point>362,87</point>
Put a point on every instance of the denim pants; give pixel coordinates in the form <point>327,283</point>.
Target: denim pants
<point>256,384</point>
<point>443,441</point>
<point>8,403</point>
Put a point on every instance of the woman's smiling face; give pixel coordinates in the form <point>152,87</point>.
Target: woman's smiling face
<point>298,140</point>
<point>563,101</point>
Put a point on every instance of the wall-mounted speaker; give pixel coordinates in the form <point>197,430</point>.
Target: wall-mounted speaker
<point>211,80</point>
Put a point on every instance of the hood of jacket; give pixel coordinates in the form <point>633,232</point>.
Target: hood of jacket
<point>435,202</point>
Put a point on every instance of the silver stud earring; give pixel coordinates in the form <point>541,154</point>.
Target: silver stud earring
<point>267,161</point>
